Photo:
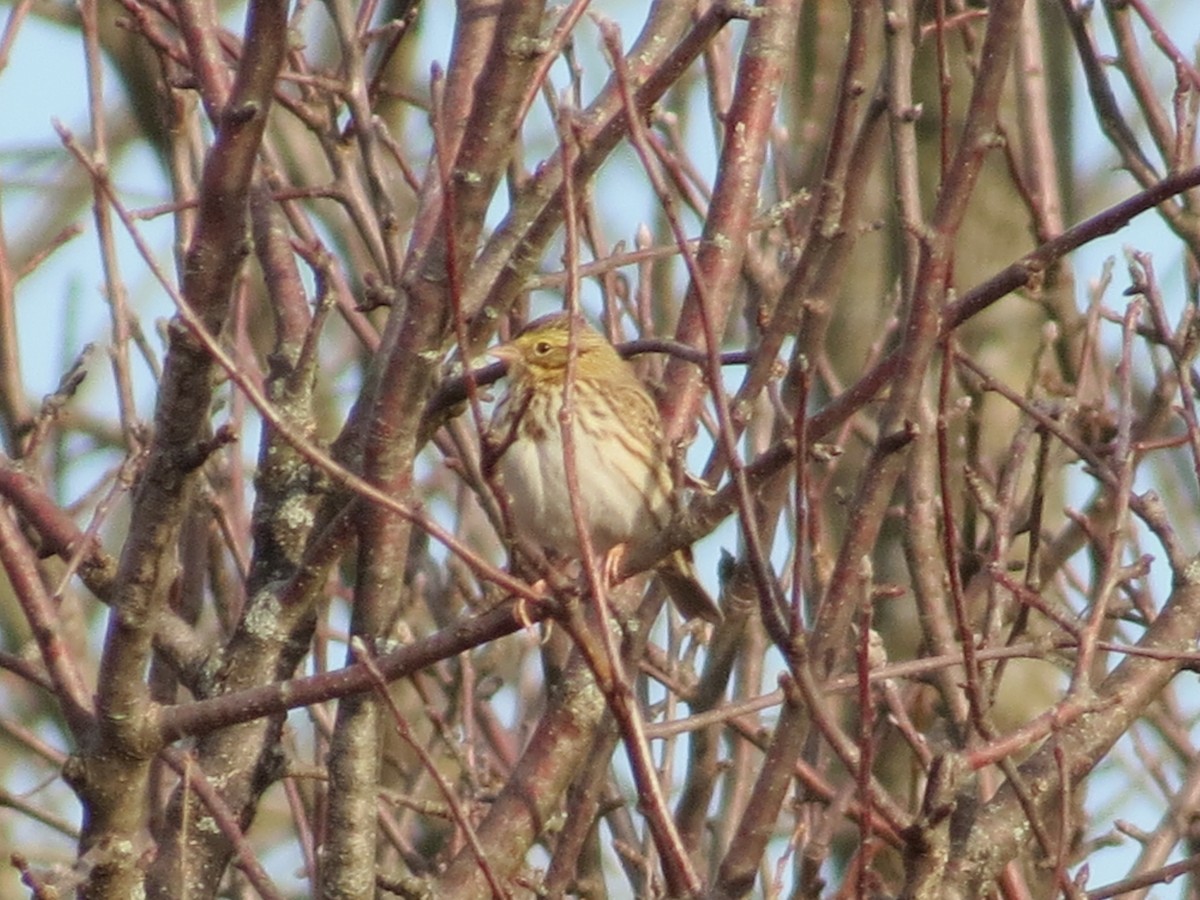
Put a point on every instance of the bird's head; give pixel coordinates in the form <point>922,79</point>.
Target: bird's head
<point>539,352</point>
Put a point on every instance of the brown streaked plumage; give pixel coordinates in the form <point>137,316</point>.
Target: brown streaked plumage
<point>623,476</point>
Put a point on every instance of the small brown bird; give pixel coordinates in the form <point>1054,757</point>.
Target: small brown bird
<point>624,479</point>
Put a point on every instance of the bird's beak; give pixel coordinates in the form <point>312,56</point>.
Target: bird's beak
<point>506,353</point>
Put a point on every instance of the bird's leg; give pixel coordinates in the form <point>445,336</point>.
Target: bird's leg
<point>521,614</point>
<point>610,568</point>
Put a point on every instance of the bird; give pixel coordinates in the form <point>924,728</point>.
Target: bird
<point>626,485</point>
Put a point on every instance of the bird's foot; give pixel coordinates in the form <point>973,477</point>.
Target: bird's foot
<point>610,568</point>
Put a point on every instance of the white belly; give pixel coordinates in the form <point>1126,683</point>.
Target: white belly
<point>612,494</point>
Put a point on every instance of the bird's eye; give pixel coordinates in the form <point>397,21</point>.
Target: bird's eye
<point>541,348</point>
